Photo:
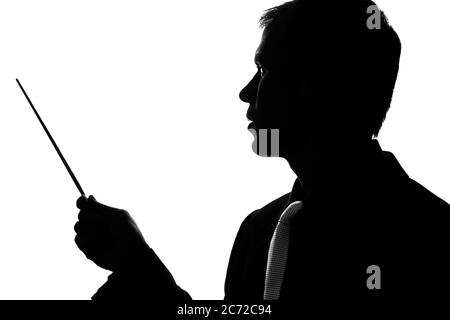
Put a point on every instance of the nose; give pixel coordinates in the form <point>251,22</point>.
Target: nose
<point>248,93</point>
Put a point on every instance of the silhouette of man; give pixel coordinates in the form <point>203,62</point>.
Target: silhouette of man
<point>366,231</point>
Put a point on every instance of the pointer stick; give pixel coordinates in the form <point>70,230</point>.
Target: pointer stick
<point>53,141</point>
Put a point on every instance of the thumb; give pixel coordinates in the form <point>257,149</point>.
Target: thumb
<point>100,207</point>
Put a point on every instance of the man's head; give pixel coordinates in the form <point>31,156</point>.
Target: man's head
<point>323,72</point>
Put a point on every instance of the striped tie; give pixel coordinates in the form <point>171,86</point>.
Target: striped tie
<point>278,252</point>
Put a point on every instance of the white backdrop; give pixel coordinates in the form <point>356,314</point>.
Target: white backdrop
<point>142,98</point>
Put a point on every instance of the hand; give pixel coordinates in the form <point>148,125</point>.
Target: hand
<point>108,236</point>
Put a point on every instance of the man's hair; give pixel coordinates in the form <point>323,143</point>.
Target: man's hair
<point>365,60</point>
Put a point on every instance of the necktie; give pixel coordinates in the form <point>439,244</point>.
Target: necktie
<point>278,252</point>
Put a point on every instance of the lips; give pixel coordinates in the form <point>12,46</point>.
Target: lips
<point>251,126</point>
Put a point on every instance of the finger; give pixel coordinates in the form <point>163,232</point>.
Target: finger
<point>91,228</point>
<point>82,241</point>
<point>77,227</point>
<point>83,244</point>
<point>90,215</point>
<point>90,242</point>
<point>86,214</point>
<point>83,227</point>
<point>81,202</point>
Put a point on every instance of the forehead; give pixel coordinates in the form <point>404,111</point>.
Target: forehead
<point>269,49</point>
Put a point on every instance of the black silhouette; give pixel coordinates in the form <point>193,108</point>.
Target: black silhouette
<point>325,80</point>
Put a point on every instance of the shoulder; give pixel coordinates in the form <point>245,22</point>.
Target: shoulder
<point>268,214</point>
<point>409,193</point>
<point>425,201</point>
<point>423,222</point>
<point>261,222</point>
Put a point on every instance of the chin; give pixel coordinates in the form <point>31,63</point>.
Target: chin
<point>255,140</point>
<point>268,142</point>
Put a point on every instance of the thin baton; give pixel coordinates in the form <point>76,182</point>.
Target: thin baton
<point>53,141</point>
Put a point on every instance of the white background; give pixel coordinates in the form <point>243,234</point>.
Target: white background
<point>142,98</point>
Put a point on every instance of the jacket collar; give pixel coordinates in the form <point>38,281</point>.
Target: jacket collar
<point>380,163</point>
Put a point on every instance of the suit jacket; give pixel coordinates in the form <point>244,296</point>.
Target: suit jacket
<point>377,217</point>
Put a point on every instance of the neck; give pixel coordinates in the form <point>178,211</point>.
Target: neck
<point>322,170</point>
